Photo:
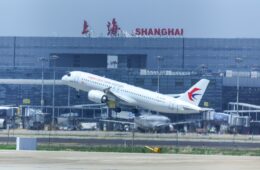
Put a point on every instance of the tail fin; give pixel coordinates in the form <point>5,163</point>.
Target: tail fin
<point>195,93</point>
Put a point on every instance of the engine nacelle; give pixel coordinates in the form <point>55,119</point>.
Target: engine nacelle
<point>97,96</point>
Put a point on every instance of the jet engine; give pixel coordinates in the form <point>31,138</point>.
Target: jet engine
<point>97,96</point>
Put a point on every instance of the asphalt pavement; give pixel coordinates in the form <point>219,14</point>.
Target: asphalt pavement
<point>51,160</point>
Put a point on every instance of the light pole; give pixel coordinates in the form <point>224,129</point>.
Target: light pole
<point>53,58</point>
<point>238,61</point>
<point>159,58</point>
<point>203,69</point>
<point>68,96</point>
<point>42,59</point>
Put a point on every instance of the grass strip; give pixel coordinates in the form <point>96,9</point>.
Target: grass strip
<point>140,149</point>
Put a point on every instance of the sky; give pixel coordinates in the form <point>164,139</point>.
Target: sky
<point>64,18</point>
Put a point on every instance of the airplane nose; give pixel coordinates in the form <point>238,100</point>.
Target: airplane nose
<point>64,78</point>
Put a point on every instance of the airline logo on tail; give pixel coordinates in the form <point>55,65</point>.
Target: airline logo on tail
<point>192,95</point>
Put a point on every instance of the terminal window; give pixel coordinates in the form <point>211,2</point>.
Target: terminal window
<point>136,61</point>
<point>132,60</point>
<point>81,60</point>
<point>179,83</point>
<point>101,60</point>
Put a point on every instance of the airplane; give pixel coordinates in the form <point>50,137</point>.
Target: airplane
<point>153,123</point>
<point>115,93</point>
<point>148,122</point>
<point>158,123</point>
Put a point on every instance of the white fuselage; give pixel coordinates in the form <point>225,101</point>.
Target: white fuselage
<point>140,97</point>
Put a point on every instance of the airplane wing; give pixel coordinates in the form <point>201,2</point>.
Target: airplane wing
<point>185,122</point>
<point>162,125</point>
<point>119,97</point>
<point>118,121</point>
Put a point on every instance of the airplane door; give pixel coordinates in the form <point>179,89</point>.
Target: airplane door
<point>77,79</point>
<point>171,106</point>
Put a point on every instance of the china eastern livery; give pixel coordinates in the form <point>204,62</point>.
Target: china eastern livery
<point>104,90</point>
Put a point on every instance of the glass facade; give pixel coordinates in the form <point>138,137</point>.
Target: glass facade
<point>200,58</point>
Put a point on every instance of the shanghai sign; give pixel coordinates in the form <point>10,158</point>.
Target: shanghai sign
<point>159,32</point>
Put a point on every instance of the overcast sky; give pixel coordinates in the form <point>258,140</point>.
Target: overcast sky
<point>199,18</point>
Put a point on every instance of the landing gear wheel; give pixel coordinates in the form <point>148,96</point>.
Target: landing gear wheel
<point>118,109</point>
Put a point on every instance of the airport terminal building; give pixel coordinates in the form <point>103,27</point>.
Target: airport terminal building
<point>178,62</point>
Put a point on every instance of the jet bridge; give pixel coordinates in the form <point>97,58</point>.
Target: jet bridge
<point>244,109</point>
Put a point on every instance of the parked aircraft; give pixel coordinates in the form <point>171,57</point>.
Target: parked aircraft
<point>153,123</point>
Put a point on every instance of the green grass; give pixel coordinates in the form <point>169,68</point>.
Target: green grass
<point>7,147</point>
<point>93,148</point>
<point>140,149</point>
<point>213,151</point>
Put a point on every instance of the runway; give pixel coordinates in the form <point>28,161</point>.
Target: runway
<point>40,160</point>
<point>138,142</point>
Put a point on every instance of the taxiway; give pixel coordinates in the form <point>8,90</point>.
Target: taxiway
<point>39,160</point>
